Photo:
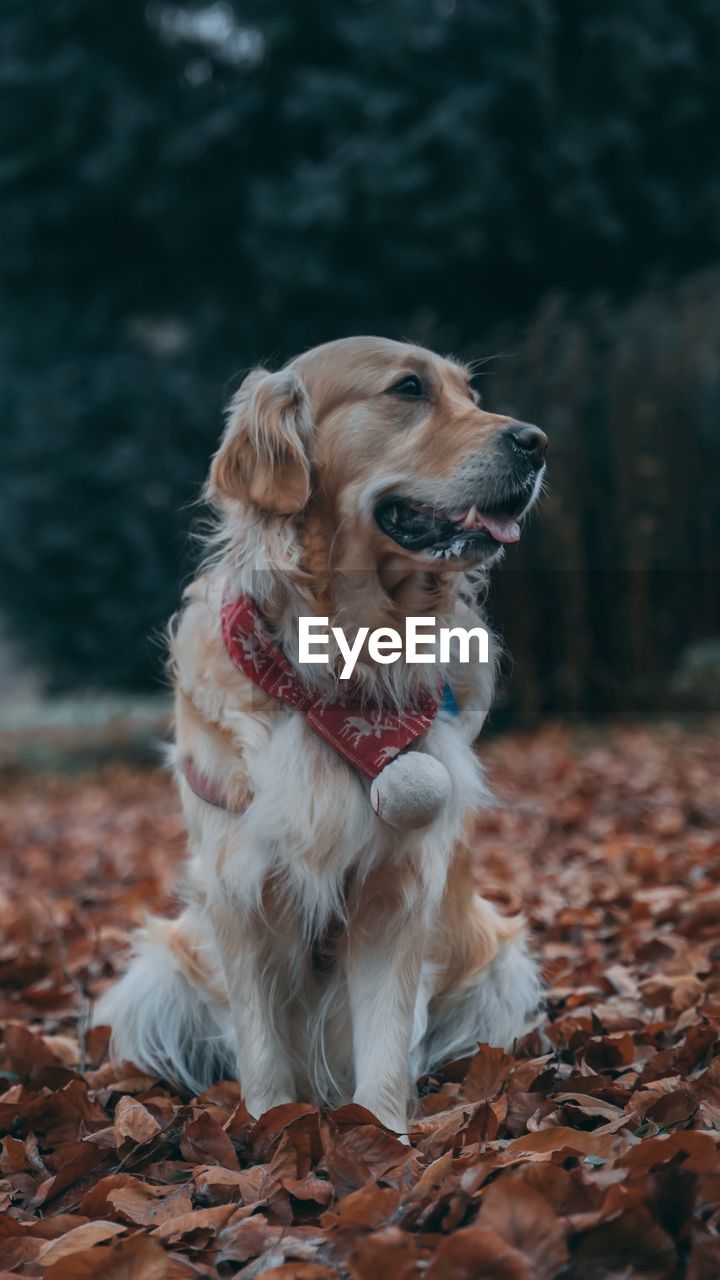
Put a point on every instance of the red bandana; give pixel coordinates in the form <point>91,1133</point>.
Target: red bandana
<point>368,736</point>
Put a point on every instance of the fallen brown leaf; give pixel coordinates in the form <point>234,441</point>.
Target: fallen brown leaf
<point>134,1125</point>
<point>474,1253</point>
<point>78,1240</point>
<point>523,1218</point>
<point>205,1142</point>
<point>135,1259</point>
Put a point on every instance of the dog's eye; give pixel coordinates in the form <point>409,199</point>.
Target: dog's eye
<point>410,387</point>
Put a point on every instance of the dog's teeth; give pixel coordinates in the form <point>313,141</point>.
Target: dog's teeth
<point>469,518</point>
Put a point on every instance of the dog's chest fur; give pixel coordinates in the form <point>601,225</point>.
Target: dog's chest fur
<point>308,826</point>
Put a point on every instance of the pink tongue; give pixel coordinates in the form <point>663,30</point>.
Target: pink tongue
<point>502,528</point>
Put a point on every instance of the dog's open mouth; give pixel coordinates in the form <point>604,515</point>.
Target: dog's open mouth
<point>470,533</point>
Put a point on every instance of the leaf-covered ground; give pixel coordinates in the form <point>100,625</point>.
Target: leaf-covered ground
<point>593,1152</point>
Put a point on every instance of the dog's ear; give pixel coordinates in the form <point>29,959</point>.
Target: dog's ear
<point>263,459</point>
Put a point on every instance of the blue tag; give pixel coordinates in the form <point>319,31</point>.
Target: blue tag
<point>448,705</point>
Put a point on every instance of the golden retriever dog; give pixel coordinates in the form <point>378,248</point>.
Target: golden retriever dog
<point>325,953</point>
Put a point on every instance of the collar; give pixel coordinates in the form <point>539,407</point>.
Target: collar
<point>366,734</point>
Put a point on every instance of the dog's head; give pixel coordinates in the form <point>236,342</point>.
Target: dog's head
<point>387,445</point>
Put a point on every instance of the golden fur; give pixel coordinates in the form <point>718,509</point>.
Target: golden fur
<point>322,954</point>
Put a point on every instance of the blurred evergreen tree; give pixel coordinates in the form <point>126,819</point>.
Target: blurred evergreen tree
<point>188,188</point>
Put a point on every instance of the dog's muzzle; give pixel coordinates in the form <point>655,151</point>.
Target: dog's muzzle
<point>474,530</point>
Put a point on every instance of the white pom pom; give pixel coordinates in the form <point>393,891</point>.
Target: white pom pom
<point>410,791</point>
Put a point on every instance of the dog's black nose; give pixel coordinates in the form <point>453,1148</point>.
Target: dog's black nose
<point>531,440</point>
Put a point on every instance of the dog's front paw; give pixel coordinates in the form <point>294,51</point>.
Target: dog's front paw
<point>411,791</point>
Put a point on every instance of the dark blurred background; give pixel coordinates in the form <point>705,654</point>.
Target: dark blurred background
<point>189,188</point>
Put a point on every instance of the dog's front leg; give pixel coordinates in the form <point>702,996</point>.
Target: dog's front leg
<point>253,980</point>
<point>384,961</point>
